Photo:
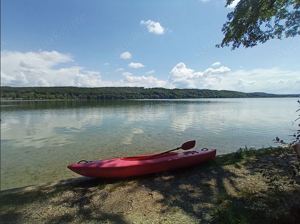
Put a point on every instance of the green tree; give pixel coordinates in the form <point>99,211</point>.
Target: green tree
<point>257,21</point>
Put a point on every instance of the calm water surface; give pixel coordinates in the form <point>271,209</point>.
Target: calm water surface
<point>38,139</point>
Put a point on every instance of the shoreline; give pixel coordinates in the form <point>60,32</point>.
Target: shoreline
<point>79,178</point>
<point>250,186</point>
<point>143,99</point>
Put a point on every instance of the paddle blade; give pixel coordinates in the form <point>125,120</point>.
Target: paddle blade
<point>188,145</point>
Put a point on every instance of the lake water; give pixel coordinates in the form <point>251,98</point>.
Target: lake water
<point>39,139</point>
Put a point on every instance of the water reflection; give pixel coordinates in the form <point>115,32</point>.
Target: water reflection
<point>128,138</point>
<point>49,135</point>
<point>39,125</point>
<point>43,127</point>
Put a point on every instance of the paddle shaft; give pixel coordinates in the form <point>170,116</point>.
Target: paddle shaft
<point>170,150</point>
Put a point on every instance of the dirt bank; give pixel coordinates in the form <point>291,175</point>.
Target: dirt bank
<point>261,186</point>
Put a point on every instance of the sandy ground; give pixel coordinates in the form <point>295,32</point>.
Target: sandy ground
<point>249,186</point>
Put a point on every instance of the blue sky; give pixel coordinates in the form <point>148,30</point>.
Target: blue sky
<point>171,44</point>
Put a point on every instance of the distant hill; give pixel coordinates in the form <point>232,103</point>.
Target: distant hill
<point>109,93</point>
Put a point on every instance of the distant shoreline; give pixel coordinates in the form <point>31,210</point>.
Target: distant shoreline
<point>122,93</point>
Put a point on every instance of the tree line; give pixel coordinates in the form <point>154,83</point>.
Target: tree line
<point>110,93</point>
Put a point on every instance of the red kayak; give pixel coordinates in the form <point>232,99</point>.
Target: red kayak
<point>141,165</point>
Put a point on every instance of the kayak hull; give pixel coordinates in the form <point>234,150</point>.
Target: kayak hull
<point>141,165</point>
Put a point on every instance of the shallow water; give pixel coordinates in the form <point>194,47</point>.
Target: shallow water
<point>38,139</point>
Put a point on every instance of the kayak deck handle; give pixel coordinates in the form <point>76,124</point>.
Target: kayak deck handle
<point>83,161</point>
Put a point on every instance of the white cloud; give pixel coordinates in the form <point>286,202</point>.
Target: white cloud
<point>181,71</point>
<point>273,80</point>
<point>150,72</point>
<point>126,55</point>
<point>216,70</point>
<point>233,4</point>
<point>52,68</point>
<point>145,81</point>
<point>119,70</point>
<point>47,68</point>
<point>135,65</point>
<point>217,63</point>
<point>184,77</point>
<point>127,73</point>
<point>153,27</point>
<point>41,69</point>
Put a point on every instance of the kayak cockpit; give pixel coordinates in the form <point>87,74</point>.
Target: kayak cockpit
<point>151,156</point>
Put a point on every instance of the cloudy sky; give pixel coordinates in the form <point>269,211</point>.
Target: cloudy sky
<point>158,43</point>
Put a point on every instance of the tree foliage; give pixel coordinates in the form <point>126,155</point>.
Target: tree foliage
<point>111,93</point>
<point>257,21</point>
